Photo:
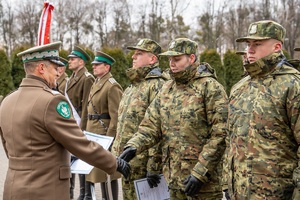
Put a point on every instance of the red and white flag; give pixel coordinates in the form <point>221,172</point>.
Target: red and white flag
<point>45,24</point>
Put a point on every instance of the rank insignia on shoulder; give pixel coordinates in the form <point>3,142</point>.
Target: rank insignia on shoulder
<point>112,80</point>
<point>87,74</point>
<point>55,92</point>
<point>63,109</point>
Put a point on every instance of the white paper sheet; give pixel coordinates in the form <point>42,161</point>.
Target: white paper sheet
<point>81,167</point>
<point>144,192</point>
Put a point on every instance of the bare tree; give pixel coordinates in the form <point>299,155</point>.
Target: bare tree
<point>101,21</point>
<point>28,20</point>
<point>78,19</point>
<point>7,24</point>
<point>177,7</point>
<point>291,21</point>
<point>122,27</point>
<point>156,22</point>
<point>237,22</point>
<point>59,24</point>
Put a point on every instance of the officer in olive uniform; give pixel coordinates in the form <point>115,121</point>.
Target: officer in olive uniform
<point>78,89</point>
<point>146,80</point>
<point>63,76</point>
<point>102,112</point>
<point>38,131</point>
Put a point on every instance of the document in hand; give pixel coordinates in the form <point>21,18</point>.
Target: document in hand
<point>144,192</point>
<point>81,167</point>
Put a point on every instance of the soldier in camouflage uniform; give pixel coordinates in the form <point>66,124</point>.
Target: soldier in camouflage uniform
<point>189,117</point>
<point>263,120</point>
<point>146,80</point>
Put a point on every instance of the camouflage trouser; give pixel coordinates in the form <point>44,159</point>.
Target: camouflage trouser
<point>128,184</point>
<point>128,190</point>
<point>180,195</point>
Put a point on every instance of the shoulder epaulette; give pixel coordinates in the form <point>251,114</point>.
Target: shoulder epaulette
<point>155,71</point>
<point>54,92</point>
<point>112,80</point>
<point>87,74</point>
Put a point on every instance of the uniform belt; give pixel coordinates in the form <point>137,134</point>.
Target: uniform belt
<point>98,116</point>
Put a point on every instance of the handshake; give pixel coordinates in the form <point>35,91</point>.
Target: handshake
<point>123,160</point>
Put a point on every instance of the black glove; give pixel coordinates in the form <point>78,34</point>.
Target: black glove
<point>73,158</point>
<point>153,179</point>
<point>226,194</point>
<point>123,167</point>
<point>128,154</point>
<point>193,185</point>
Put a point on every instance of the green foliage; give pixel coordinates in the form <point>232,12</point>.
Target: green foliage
<point>64,53</point>
<point>164,63</point>
<point>234,70</point>
<point>212,57</point>
<point>118,69</point>
<point>286,54</point>
<point>17,71</point>
<point>6,83</point>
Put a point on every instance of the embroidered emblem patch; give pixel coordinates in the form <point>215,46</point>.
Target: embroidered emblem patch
<point>172,45</point>
<point>253,29</point>
<point>63,109</point>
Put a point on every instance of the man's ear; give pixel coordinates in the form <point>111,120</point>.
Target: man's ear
<point>278,46</point>
<point>41,68</point>
<point>193,58</point>
<point>154,59</point>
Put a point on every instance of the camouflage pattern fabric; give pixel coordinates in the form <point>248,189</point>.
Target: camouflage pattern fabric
<point>181,46</point>
<point>146,82</point>
<point>180,195</point>
<point>295,63</point>
<point>189,119</point>
<point>263,30</point>
<point>147,45</point>
<point>264,132</point>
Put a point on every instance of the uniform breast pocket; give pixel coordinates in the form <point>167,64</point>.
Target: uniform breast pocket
<point>64,172</point>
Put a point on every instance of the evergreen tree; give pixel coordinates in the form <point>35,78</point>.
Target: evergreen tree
<point>212,57</point>
<point>164,63</point>
<point>234,70</point>
<point>17,71</point>
<point>6,83</point>
<point>64,53</point>
<point>286,53</point>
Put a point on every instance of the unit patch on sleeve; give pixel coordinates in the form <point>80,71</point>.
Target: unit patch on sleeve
<point>63,109</point>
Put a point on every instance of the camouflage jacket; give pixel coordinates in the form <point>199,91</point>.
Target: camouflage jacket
<point>145,84</point>
<point>189,117</point>
<point>264,130</point>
